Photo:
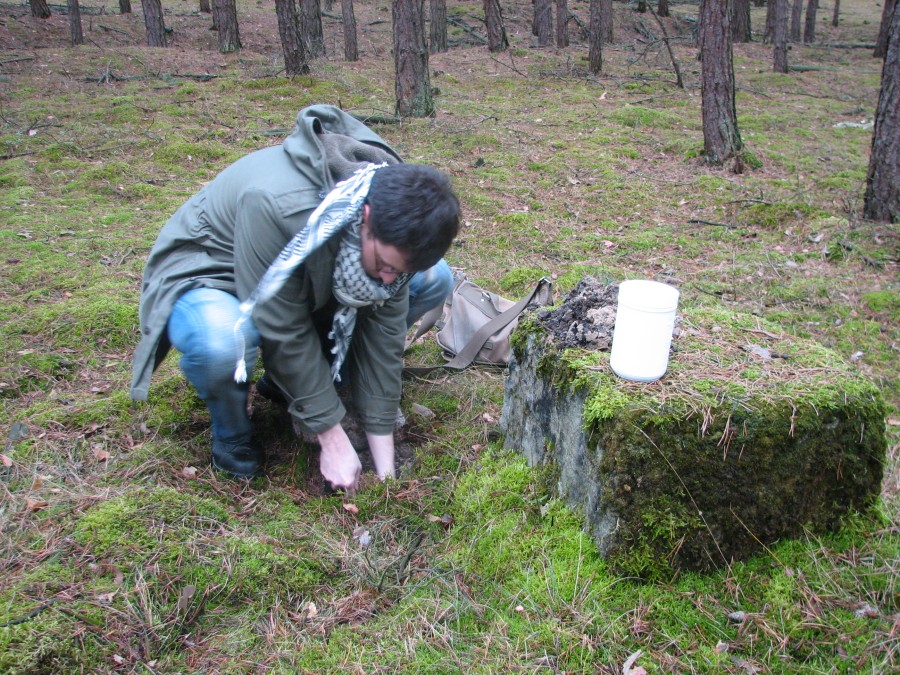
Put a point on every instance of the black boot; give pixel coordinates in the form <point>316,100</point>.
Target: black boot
<point>269,390</point>
<point>241,460</point>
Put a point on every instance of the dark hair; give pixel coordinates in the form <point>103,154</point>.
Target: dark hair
<point>413,208</point>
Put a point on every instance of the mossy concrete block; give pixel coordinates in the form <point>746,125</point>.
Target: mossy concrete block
<point>750,437</point>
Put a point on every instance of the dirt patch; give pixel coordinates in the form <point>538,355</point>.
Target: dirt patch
<point>587,316</point>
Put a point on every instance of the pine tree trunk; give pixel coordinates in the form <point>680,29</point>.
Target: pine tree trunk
<point>75,22</point>
<point>662,8</point>
<point>39,9</point>
<point>562,23</point>
<point>438,41</point>
<point>796,15</point>
<point>153,22</point>
<point>721,140</point>
<point>124,6</point>
<point>780,39</point>
<point>882,198</point>
<point>205,7</point>
<point>311,28</point>
<point>809,33</point>
<point>295,62</point>
<point>769,34</point>
<point>836,14</point>
<point>413,84</point>
<point>496,33</point>
<point>351,49</point>
<point>225,18</point>
<point>884,30</point>
<point>595,36</point>
<point>543,21</point>
<point>740,21</point>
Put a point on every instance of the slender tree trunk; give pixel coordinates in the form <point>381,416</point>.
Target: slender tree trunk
<point>438,32</point>
<point>39,9</point>
<point>606,21</point>
<point>740,21</point>
<point>493,20</point>
<point>543,21</point>
<point>796,15</point>
<point>884,30</point>
<point>205,7</point>
<point>769,34</point>
<point>595,36</point>
<point>225,18</point>
<point>311,28</point>
<point>75,22</point>
<point>562,23</point>
<point>662,8</point>
<point>781,43</point>
<point>642,6</point>
<point>721,139</point>
<point>348,17</point>
<point>295,62</point>
<point>124,6</point>
<point>153,22</point>
<point>413,84</point>
<point>809,33</point>
<point>882,198</point>
<point>836,14</point>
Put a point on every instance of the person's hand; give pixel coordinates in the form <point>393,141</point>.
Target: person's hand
<point>338,461</point>
<point>382,449</point>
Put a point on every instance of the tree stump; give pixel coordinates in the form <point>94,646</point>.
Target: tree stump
<point>751,436</point>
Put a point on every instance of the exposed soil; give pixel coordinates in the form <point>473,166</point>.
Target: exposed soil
<point>587,316</point>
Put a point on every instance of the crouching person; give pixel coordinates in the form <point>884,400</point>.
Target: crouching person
<point>320,253</point>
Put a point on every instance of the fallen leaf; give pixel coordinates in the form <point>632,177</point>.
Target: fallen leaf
<point>35,504</point>
<point>106,598</point>
<point>352,508</point>
<point>100,454</point>
<point>311,610</point>
<point>856,356</point>
<point>118,658</point>
<point>446,520</point>
<point>189,472</point>
<point>422,411</point>
<point>487,418</point>
<point>7,462</point>
<point>758,351</point>
<point>866,610</point>
<point>737,617</point>
<point>187,594</point>
<point>628,668</point>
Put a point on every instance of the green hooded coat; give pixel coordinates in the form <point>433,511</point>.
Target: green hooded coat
<point>226,236</point>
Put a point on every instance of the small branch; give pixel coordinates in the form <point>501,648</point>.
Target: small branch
<point>697,221</point>
<point>877,264</point>
<point>457,22</point>
<point>28,617</point>
<point>678,80</point>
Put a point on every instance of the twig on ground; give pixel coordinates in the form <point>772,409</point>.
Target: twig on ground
<point>697,221</point>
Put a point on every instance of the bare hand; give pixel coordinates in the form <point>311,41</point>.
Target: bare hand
<point>338,462</point>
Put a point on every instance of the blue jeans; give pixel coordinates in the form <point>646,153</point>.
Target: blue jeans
<point>201,327</point>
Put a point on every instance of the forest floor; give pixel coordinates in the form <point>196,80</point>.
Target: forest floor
<point>121,551</point>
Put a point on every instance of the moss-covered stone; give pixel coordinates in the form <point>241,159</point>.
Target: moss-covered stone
<point>751,436</point>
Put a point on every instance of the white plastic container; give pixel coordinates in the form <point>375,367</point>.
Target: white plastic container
<point>645,319</point>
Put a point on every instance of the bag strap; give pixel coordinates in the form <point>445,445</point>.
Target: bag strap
<point>467,354</point>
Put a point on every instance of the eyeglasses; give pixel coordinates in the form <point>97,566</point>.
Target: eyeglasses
<point>381,266</point>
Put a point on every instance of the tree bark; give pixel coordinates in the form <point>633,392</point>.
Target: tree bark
<point>413,83</point>
<point>836,14</point>
<point>205,7</point>
<point>496,33</point>
<point>769,34</point>
<point>780,64</point>
<point>884,30</point>
<point>153,22</point>
<point>796,14</point>
<point>124,6</point>
<point>809,33</point>
<point>595,37</point>
<point>295,62</point>
<point>39,9</point>
<point>721,139</point>
<point>562,23</point>
<point>740,21</point>
<point>882,198</point>
<point>75,22</point>
<point>225,19</point>
<point>662,8</point>
<point>348,17</point>
<point>642,6</point>
<point>606,20</point>
<point>543,21</point>
<point>438,28</point>
<point>311,28</point>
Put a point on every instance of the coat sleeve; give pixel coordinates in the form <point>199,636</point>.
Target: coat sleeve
<point>290,345</point>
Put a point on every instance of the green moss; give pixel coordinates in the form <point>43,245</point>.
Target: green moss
<point>639,116</point>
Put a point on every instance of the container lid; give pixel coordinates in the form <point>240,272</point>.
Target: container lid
<point>650,295</point>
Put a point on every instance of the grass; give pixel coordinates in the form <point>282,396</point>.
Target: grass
<point>121,551</point>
